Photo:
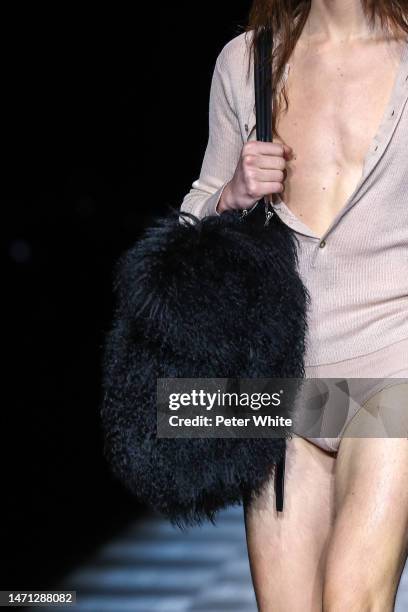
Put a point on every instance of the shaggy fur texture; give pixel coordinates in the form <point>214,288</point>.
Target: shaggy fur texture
<point>220,297</point>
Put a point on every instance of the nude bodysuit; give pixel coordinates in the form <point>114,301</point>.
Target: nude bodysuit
<point>357,272</point>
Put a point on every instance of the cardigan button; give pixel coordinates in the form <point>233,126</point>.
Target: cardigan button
<point>322,244</point>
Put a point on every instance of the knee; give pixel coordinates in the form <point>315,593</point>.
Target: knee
<point>355,595</point>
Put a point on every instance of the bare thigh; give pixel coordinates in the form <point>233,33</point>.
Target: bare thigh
<point>287,551</point>
<point>368,546</point>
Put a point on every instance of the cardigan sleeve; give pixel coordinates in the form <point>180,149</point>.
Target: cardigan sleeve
<point>223,148</point>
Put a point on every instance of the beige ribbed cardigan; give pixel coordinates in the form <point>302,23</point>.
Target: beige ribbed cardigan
<point>357,272</point>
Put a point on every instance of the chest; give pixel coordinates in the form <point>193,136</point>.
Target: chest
<point>337,102</point>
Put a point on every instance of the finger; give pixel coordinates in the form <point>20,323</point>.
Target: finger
<point>258,147</point>
<point>267,176</point>
<point>270,162</point>
<point>269,187</point>
<point>288,151</point>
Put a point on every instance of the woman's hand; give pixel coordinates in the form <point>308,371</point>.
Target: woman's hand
<point>260,172</point>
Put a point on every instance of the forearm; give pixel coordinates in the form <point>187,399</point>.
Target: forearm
<point>201,202</point>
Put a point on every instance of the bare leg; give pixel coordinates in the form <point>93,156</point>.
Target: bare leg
<point>368,547</point>
<point>287,550</point>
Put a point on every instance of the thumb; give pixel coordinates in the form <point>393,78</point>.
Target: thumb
<point>287,151</point>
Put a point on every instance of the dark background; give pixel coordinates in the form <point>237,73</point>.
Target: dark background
<point>104,124</point>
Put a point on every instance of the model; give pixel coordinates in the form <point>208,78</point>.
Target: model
<point>337,174</point>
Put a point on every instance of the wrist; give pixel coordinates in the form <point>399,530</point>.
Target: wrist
<point>225,201</point>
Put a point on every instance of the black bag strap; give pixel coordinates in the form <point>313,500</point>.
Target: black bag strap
<point>263,86</point>
<point>263,109</point>
<point>263,106</point>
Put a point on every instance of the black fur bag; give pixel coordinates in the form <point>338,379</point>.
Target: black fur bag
<point>218,297</point>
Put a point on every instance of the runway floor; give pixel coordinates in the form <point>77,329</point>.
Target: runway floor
<point>154,567</point>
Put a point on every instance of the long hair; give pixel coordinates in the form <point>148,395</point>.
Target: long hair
<point>287,18</point>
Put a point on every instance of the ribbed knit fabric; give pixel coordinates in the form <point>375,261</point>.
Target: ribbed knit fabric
<point>357,272</point>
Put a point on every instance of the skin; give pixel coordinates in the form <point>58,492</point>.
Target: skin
<point>341,542</point>
<point>260,172</point>
<point>318,159</point>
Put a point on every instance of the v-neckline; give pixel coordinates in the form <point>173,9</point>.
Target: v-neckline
<point>388,129</point>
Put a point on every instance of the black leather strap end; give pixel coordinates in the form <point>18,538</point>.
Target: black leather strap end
<point>280,482</point>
